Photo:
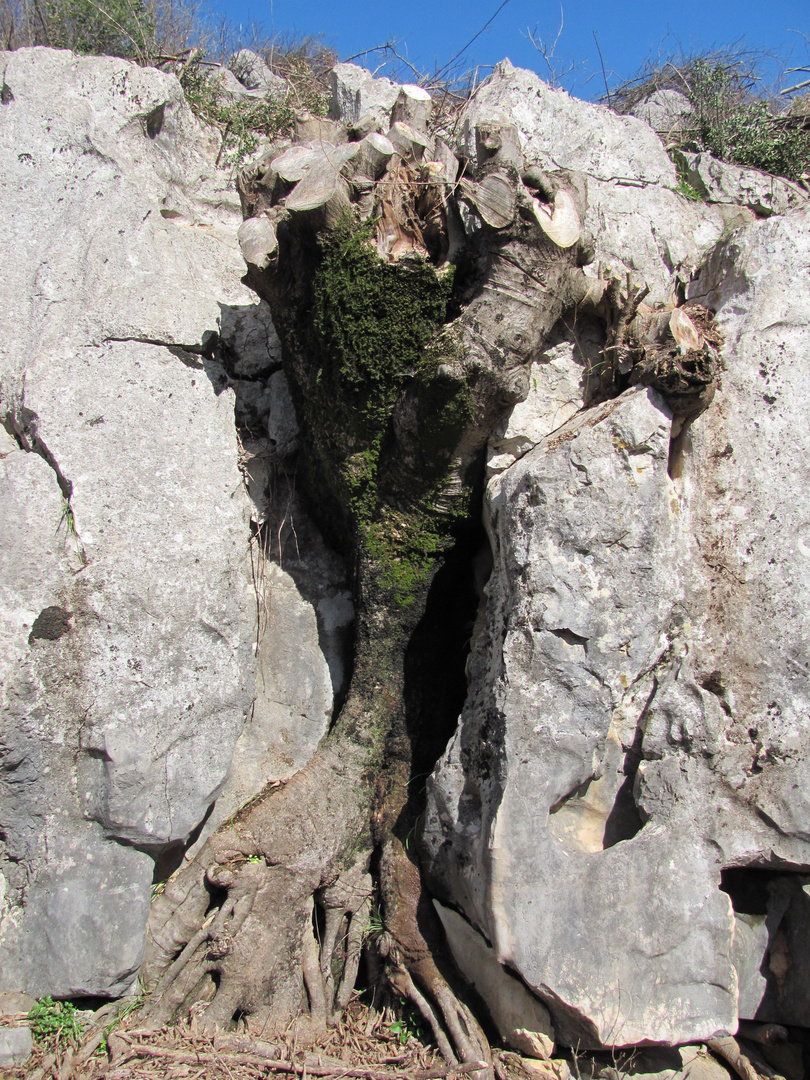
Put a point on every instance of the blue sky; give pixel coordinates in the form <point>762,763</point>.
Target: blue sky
<point>429,32</point>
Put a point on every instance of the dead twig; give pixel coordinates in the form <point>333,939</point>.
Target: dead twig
<point>185,1057</point>
<point>604,73</point>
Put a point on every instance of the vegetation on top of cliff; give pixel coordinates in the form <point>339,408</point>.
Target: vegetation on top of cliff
<point>731,114</point>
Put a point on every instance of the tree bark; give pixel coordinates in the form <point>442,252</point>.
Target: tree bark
<point>399,367</point>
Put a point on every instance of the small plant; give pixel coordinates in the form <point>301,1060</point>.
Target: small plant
<point>684,188</point>
<point>55,1022</point>
<point>407,1026</point>
<point>67,518</point>
<point>243,121</point>
<point>375,925</point>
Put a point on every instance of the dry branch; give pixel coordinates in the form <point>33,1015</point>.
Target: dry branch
<point>369,1072</point>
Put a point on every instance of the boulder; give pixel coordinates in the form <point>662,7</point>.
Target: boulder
<point>16,1046</point>
<point>664,110</point>
<point>15,1002</point>
<point>725,184</point>
<point>356,94</point>
<point>229,84</point>
<point>630,757</point>
<point>126,608</point>
<point>254,74</point>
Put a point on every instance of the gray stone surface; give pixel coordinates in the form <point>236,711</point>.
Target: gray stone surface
<point>636,720</point>
<point>16,1046</point>
<point>558,388</point>
<point>15,1002</point>
<point>254,74</point>
<point>357,94</point>
<point>638,221</point>
<point>126,614</point>
<point>747,951</point>
<point>719,182</point>
<point>521,1020</point>
<point>664,110</point>
<point>306,612</point>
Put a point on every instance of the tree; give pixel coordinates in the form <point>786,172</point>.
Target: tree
<point>409,306</point>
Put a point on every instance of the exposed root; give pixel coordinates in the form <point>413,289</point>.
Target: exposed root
<point>347,907</point>
<point>728,1050</point>
<point>674,351</point>
<point>411,942</point>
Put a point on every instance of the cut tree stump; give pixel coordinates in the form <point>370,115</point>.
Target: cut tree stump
<point>413,107</point>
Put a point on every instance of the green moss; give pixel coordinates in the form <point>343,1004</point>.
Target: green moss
<point>406,545</point>
<point>376,333</point>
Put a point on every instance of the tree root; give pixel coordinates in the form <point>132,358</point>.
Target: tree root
<point>728,1049</point>
<point>410,944</point>
<point>314,1068</point>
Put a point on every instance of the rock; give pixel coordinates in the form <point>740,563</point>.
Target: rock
<point>720,182</point>
<point>251,340</point>
<point>15,1002</point>
<point>747,952</point>
<point>558,388</point>
<point>229,84</point>
<point>522,1021</point>
<point>664,110</point>
<point>282,426</point>
<point>528,851</point>
<point>16,1046</point>
<point>357,94</point>
<point>126,612</point>
<point>638,221</point>
<point>639,693</point>
<point>305,639</point>
<point>681,1063</point>
<point>254,74</point>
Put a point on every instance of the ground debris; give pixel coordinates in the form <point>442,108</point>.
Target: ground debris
<point>360,1046</point>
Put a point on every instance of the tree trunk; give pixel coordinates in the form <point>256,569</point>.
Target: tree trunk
<point>399,370</point>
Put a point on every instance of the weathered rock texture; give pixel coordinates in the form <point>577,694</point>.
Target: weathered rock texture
<point>127,612</point>
<point>621,821</point>
<point>635,734</point>
<point>638,222</point>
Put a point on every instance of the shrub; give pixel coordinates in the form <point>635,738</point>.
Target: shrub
<point>744,130</point>
<point>731,118</point>
<point>244,121</point>
<point>54,1022</point>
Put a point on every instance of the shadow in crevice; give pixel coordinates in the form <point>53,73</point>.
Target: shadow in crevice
<point>772,937</point>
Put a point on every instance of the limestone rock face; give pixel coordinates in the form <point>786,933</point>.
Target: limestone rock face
<point>623,812</point>
<point>357,94</point>
<point>724,184</point>
<point>664,110</point>
<point>126,611</point>
<point>255,75</point>
<point>638,221</point>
